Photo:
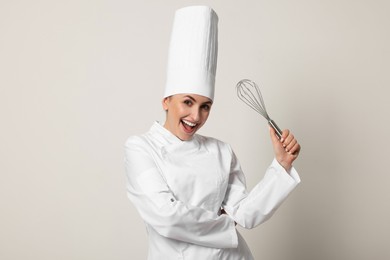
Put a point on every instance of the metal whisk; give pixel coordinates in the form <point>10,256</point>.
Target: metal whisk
<point>249,93</point>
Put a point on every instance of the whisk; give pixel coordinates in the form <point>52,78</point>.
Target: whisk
<point>249,93</point>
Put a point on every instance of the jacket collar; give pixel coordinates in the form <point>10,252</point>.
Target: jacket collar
<point>164,136</point>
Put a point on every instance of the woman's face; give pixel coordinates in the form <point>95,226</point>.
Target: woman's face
<point>186,114</point>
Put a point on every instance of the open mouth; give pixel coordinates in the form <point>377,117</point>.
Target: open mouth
<point>189,127</point>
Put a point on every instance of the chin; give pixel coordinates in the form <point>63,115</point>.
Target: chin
<point>185,137</point>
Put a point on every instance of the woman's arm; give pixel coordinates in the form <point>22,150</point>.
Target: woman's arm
<point>254,208</point>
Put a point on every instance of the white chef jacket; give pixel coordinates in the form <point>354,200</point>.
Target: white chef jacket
<point>179,187</point>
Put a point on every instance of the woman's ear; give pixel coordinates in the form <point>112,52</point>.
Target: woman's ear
<point>165,103</point>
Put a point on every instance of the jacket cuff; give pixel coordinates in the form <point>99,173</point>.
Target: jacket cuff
<point>292,174</point>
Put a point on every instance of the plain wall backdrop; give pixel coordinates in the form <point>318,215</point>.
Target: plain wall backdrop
<point>78,77</point>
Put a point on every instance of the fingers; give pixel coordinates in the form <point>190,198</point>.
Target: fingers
<point>287,141</point>
<point>287,138</point>
<point>291,144</point>
<point>295,149</point>
<point>285,134</point>
<point>286,149</point>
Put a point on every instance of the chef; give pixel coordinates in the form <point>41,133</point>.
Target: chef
<point>189,189</point>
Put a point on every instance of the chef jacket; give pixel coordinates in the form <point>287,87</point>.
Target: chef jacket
<point>179,188</point>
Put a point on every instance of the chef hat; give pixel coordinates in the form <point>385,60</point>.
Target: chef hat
<point>192,57</point>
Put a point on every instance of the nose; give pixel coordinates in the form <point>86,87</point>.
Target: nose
<point>195,115</point>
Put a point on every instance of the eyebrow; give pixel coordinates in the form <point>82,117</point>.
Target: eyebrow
<point>193,99</point>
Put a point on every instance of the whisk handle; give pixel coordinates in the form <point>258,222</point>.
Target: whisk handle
<point>275,127</point>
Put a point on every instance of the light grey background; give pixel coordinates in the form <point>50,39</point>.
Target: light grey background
<point>78,77</point>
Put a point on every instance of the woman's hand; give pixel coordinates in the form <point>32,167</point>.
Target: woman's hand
<point>224,212</point>
<point>286,149</point>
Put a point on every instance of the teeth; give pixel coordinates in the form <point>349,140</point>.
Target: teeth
<point>189,123</point>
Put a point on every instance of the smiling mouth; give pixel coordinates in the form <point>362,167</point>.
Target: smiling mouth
<point>188,126</point>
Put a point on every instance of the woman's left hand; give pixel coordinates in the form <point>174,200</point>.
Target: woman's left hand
<point>286,149</point>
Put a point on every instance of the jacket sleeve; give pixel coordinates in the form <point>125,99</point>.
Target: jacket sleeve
<point>254,208</point>
<point>159,208</point>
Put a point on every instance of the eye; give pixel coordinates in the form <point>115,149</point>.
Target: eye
<point>187,102</point>
<point>206,107</point>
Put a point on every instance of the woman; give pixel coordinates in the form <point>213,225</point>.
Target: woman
<point>189,189</point>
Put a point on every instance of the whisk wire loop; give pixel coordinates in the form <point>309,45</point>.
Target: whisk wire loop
<point>249,93</point>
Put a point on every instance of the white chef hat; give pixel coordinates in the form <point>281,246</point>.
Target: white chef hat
<point>192,57</point>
